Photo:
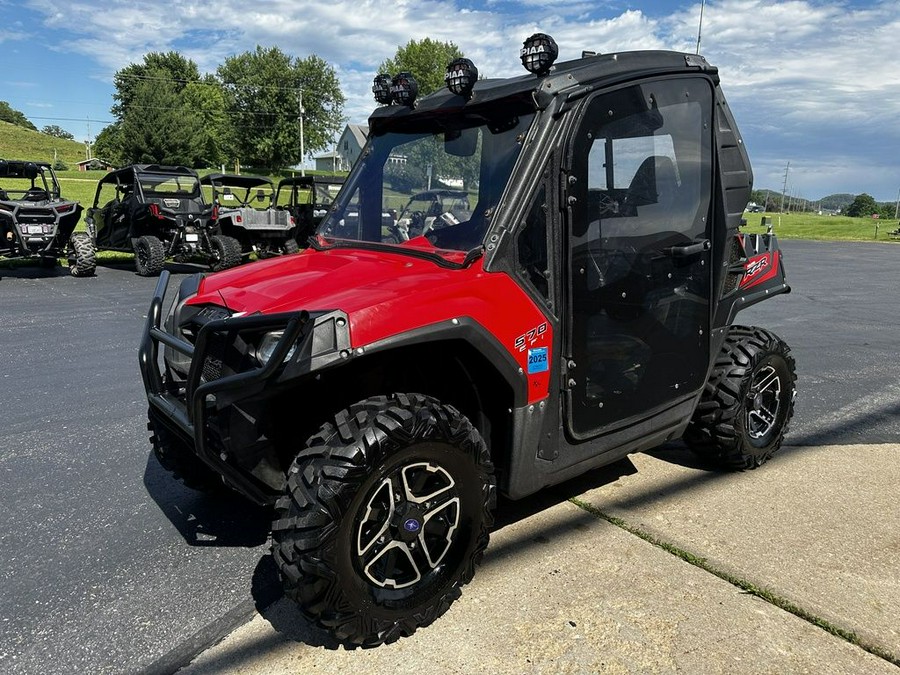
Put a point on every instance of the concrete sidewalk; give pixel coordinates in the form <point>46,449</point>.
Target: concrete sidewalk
<point>565,591</point>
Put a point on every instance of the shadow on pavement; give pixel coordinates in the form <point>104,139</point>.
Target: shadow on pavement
<point>206,520</point>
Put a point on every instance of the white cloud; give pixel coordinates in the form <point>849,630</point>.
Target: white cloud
<point>816,77</point>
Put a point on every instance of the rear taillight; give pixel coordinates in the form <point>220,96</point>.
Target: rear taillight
<point>64,208</point>
<point>215,212</point>
<point>239,219</point>
<point>291,220</point>
<point>154,211</point>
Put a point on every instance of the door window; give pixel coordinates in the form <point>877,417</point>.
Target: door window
<point>640,274</point>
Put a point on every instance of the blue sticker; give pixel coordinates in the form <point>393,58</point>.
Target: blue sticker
<point>537,360</point>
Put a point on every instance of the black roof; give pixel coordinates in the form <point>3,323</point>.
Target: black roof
<point>14,168</point>
<point>310,180</point>
<point>236,180</point>
<point>137,169</point>
<point>572,79</point>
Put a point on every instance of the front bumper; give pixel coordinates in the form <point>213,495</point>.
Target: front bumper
<point>196,408</point>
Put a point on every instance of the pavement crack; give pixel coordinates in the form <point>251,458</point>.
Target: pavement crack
<point>742,584</point>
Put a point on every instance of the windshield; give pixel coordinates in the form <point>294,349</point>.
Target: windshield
<point>436,184</point>
<point>167,184</point>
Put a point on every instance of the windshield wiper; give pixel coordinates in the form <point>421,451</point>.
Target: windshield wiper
<point>436,258</point>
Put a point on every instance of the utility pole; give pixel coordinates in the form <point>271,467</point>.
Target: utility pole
<point>897,207</point>
<point>784,185</point>
<point>302,153</point>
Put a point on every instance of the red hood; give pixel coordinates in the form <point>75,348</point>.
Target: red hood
<point>384,294</point>
<point>349,280</point>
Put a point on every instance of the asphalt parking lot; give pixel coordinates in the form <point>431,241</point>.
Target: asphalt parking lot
<point>109,565</point>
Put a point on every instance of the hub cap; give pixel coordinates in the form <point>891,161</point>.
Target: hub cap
<point>763,402</point>
<point>408,525</point>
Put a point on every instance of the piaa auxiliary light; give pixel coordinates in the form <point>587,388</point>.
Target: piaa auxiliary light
<point>538,54</point>
<point>461,77</point>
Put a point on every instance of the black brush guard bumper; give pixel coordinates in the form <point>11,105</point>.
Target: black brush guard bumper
<point>187,411</point>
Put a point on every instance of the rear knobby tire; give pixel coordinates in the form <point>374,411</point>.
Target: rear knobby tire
<point>149,256</point>
<point>748,401</point>
<point>387,513</point>
<point>176,457</point>
<point>226,252</point>
<point>83,261</point>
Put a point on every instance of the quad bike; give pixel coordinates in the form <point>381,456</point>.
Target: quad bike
<point>158,212</point>
<point>37,223</point>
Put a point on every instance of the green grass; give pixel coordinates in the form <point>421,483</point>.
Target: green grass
<point>20,143</point>
<point>823,228</point>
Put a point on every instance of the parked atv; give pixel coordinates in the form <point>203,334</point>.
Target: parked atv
<point>307,199</point>
<point>429,210</point>
<point>158,212</point>
<point>246,213</point>
<point>36,222</point>
<point>381,394</point>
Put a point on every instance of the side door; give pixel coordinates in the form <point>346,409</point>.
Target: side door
<point>103,213</point>
<point>639,168</point>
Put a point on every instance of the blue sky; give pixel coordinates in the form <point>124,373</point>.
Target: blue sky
<point>811,82</point>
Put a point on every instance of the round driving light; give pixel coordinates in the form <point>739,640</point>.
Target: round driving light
<point>538,53</point>
<point>404,89</point>
<point>381,87</point>
<point>461,77</point>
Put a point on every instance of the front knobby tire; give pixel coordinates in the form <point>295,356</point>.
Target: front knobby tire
<point>747,403</point>
<point>387,512</point>
<point>176,457</point>
<point>83,260</point>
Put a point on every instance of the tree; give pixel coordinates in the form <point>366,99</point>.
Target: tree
<point>13,116</point>
<point>863,206</point>
<point>169,66</point>
<point>213,143</point>
<point>166,113</point>
<point>157,126</point>
<point>426,59</point>
<point>108,144</point>
<point>263,89</point>
<point>58,132</point>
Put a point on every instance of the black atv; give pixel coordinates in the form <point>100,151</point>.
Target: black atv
<point>158,212</point>
<point>245,213</point>
<point>36,222</point>
<point>307,199</point>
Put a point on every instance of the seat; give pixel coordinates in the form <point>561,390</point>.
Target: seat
<point>35,195</point>
<point>655,182</point>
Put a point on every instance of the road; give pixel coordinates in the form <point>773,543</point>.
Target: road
<point>109,565</point>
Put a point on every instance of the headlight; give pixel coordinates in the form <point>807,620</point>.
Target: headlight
<point>267,347</point>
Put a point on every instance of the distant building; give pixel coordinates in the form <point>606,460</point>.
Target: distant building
<point>349,146</point>
<point>330,162</point>
<point>94,164</point>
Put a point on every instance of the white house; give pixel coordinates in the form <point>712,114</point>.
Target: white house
<point>350,144</point>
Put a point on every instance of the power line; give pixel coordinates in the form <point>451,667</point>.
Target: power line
<point>158,78</point>
<point>71,119</point>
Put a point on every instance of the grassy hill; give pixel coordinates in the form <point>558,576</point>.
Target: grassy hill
<point>19,143</point>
